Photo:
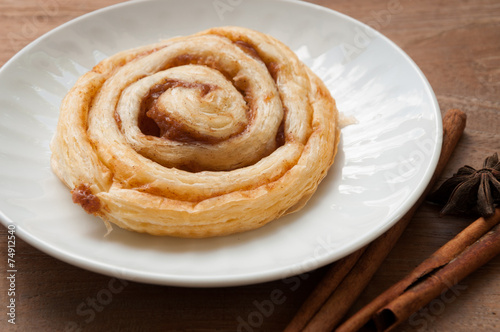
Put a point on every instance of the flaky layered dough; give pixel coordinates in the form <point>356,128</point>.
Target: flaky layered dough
<point>205,135</point>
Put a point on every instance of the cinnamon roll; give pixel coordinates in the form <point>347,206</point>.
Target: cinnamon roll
<point>205,135</point>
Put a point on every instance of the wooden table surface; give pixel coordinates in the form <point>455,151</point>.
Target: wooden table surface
<point>457,46</point>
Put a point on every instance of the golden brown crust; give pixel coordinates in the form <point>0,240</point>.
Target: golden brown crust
<point>245,134</point>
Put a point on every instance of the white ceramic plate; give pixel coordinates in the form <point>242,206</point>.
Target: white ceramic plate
<point>384,163</point>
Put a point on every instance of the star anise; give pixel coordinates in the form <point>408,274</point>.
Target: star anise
<point>471,191</point>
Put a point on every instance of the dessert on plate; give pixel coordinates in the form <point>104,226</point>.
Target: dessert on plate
<point>204,135</point>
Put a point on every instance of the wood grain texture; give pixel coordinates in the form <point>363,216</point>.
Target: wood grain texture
<point>457,46</point>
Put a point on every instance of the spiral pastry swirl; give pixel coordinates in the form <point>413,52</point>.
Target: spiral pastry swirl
<point>204,135</point>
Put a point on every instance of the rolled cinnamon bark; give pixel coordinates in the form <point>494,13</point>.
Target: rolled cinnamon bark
<point>441,278</point>
<point>334,276</point>
<point>442,270</point>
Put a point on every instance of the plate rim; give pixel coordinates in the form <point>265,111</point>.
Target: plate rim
<point>238,279</point>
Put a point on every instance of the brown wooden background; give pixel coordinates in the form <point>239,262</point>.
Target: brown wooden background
<point>457,46</point>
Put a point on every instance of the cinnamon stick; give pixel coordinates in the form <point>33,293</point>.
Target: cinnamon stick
<point>414,298</point>
<point>447,266</point>
<point>323,312</point>
<point>325,287</point>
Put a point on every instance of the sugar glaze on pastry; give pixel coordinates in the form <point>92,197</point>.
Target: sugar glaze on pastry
<point>205,135</point>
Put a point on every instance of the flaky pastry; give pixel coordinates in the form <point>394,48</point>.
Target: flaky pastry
<point>210,134</point>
